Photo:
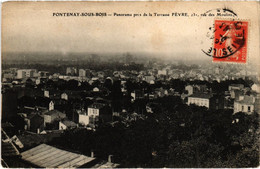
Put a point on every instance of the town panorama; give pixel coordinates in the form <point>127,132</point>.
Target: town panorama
<point>127,110</point>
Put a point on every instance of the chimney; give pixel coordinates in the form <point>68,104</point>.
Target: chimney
<point>110,158</point>
<point>92,154</point>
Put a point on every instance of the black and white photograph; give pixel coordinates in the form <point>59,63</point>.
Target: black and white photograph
<point>127,84</point>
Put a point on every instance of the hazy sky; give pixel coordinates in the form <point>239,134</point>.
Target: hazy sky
<point>31,27</point>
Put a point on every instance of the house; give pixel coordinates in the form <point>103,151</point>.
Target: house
<point>25,73</point>
<point>200,99</point>
<point>52,116</point>
<point>34,122</point>
<point>99,112</point>
<point>82,117</point>
<point>51,106</point>
<point>95,109</point>
<point>245,104</point>
<point>64,96</point>
<point>32,103</point>
<point>66,124</point>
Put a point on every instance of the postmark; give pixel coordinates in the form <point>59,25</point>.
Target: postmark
<point>230,41</point>
<point>227,37</point>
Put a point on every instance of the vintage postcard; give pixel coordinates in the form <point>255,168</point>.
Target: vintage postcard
<point>106,84</point>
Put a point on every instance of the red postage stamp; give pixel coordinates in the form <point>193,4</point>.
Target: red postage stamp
<point>230,41</point>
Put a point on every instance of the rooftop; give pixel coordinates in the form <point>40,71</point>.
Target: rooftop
<point>248,100</point>
<point>32,115</point>
<point>8,148</point>
<point>237,85</point>
<point>96,105</point>
<point>201,95</point>
<point>52,112</point>
<point>106,165</point>
<point>50,157</point>
<point>69,123</point>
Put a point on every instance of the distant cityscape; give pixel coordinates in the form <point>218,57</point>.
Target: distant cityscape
<point>129,113</point>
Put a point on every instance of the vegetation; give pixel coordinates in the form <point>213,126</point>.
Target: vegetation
<point>175,135</point>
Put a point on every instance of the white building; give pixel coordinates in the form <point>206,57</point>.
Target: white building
<point>244,104</point>
<point>51,106</point>
<point>84,119</point>
<point>94,109</point>
<point>25,73</point>
<point>91,117</point>
<point>64,96</point>
<point>199,99</point>
<point>82,73</point>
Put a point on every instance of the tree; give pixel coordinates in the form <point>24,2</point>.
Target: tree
<point>50,84</point>
<point>85,86</point>
<point>72,85</point>
<point>29,83</point>
<point>108,84</point>
<point>61,84</point>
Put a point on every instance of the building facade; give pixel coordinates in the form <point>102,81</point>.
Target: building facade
<point>25,73</point>
<point>245,104</point>
<point>199,99</point>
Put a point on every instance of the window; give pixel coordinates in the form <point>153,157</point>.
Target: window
<point>242,108</point>
<point>249,109</point>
